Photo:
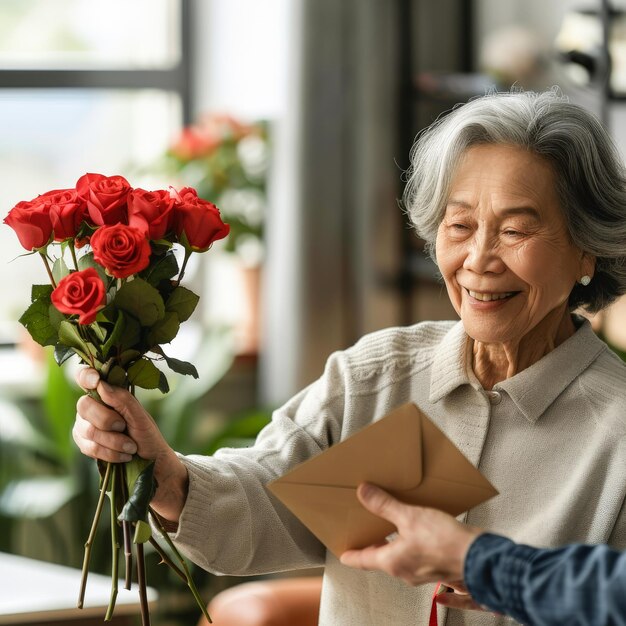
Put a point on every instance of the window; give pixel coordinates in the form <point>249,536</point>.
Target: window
<point>84,86</point>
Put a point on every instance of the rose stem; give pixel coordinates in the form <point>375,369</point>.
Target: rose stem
<point>182,269</point>
<point>126,528</point>
<point>115,546</point>
<point>166,559</point>
<point>190,583</point>
<point>73,253</point>
<point>47,265</point>
<point>141,579</point>
<point>92,534</point>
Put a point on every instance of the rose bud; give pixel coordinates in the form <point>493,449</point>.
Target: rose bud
<point>80,293</point>
<point>122,250</point>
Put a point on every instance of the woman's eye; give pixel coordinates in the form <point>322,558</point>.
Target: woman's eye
<point>460,226</point>
<point>512,233</point>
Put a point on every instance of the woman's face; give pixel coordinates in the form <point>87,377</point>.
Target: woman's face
<point>503,247</point>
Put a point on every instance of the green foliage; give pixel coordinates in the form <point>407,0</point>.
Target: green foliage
<point>164,330</point>
<point>44,471</point>
<point>142,314</point>
<point>182,302</point>
<point>164,269</point>
<point>59,403</point>
<point>36,318</point>
<point>227,163</point>
<point>240,431</point>
<point>141,300</point>
<point>142,490</point>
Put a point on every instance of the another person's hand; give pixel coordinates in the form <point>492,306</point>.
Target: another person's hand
<point>430,545</point>
<point>459,598</point>
<point>122,428</point>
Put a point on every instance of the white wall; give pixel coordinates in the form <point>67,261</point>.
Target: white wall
<point>542,16</point>
<point>242,56</point>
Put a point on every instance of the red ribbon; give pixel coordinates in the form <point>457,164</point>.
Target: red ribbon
<point>433,607</point>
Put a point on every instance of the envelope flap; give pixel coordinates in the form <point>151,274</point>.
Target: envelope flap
<point>388,452</point>
<point>443,460</point>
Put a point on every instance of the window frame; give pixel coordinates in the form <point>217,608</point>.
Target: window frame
<point>176,79</point>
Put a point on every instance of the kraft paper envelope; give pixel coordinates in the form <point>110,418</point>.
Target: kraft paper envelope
<point>404,453</point>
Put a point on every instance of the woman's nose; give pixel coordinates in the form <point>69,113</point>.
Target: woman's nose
<point>483,256</point>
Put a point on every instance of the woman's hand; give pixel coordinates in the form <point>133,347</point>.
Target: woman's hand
<point>122,428</point>
<point>430,546</point>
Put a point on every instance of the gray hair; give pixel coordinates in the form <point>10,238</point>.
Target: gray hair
<point>591,179</point>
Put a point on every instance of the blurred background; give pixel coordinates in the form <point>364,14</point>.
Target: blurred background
<point>296,117</point>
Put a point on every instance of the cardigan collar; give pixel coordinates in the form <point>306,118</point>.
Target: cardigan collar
<point>532,390</point>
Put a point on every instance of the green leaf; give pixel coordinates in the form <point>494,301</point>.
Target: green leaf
<point>163,385</point>
<point>144,488</point>
<point>38,292</point>
<point>143,532</point>
<point>131,333</point>
<point>134,468</point>
<point>56,317</point>
<point>114,336</point>
<point>164,269</point>
<point>107,314</point>
<point>141,300</point>
<point>60,270</point>
<point>36,320</point>
<point>87,261</point>
<point>144,373</point>
<point>182,301</point>
<point>117,376</point>
<point>62,353</point>
<point>69,336</point>
<point>129,355</point>
<point>164,330</point>
<point>99,332</point>
<point>176,365</point>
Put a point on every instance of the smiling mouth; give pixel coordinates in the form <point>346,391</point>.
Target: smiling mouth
<point>490,297</point>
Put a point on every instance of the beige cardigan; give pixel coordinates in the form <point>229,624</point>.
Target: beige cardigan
<point>551,439</point>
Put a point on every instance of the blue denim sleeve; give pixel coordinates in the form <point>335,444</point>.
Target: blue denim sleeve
<point>575,585</point>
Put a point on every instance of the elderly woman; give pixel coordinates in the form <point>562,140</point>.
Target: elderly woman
<point>522,199</point>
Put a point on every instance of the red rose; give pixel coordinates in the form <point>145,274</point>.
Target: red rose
<point>80,293</point>
<point>67,212</point>
<point>121,250</point>
<point>105,197</point>
<point>31,223</point>
<point>150,212</point>
<point>199,219</point>
<point>194,144</point>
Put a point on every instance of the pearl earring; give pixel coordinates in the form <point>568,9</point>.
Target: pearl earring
<point>585,280</point>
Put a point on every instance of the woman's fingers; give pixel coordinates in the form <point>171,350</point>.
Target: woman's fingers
<point>87,378</point>
<point>117,411</point>
<point>101,416</point>
<point>102,444</point>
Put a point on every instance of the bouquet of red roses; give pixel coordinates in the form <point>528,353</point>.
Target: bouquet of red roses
<point>114,298</point>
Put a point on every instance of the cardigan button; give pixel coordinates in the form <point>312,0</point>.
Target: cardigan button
<point>495,397</point>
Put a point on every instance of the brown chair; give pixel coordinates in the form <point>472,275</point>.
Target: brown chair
<point>276,602</point>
